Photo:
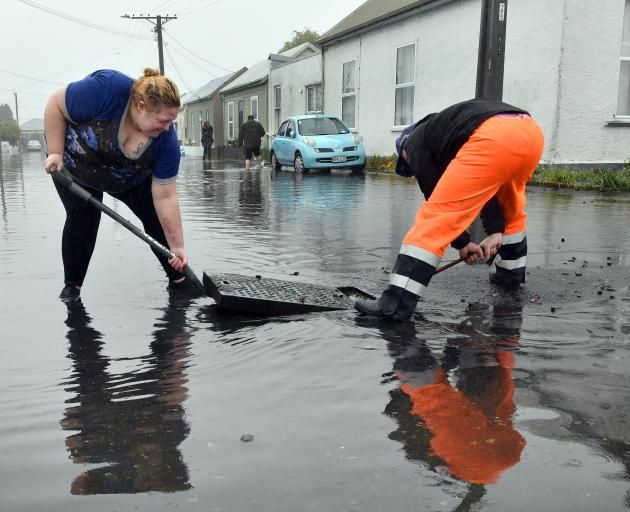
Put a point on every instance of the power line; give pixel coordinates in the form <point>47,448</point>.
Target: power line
<point>80,21</point>
<point>192,9</point>
<point>159,22</point>
<point>179,52</point>
<point>195,55</point>
<point>30,77</point>
<point>179,74</point>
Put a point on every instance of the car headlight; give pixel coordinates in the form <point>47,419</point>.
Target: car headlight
<point>356,137</point>
<point>309,142</point>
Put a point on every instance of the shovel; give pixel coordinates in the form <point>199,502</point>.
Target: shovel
<point>489,262</point>
<point>68,183</point>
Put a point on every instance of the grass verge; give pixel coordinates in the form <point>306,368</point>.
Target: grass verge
<point>560,177</point>
<point>592,179</point>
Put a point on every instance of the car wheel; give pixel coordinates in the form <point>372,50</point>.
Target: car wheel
<point>274,162</point>
<point>298,163</point>
<point>358,168</point>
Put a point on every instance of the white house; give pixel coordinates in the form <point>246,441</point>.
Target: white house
<point>567,62</point>
<point>249,93</point>
<point>295,87</point>
<point>200,105</point>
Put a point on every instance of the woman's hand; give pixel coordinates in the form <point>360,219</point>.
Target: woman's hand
<point>491,244</point>
<point>470,252</point>
<point>180,261</point>
<point>53,163</point>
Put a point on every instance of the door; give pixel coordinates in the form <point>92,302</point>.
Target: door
<point>280,144</point>
<point>241,105</point>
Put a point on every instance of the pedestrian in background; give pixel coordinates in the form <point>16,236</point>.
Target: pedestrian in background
<point>473,157</point>
<point>249,137</point>
<point>114,134</point>
<point>207,140</point>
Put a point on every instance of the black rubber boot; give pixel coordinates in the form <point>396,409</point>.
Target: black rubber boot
<point>370,307</point>
<point>506,280</point>
<point>70,293</point>
<point>395,304</point>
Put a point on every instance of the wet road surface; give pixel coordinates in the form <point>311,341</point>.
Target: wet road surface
<point>134,400</point>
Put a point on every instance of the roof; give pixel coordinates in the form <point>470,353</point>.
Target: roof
<point>206,91</point>
<point>32,125</point>
<point>372,12</point>
<point>259,72</point>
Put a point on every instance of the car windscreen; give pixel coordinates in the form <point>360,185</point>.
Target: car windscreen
<point>321,126</point>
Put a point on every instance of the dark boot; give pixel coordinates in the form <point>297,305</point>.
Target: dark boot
<point>70,293</point>
<point>395,304</point>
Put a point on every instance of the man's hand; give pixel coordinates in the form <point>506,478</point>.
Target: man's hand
<point>470,252</point>
<point>491,244</point>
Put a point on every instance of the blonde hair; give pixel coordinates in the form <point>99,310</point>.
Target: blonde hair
<point>155,90</point>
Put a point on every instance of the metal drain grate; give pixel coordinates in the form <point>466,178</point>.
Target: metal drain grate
<point>275,296</point>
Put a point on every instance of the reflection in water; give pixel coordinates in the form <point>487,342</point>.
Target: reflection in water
<point>130,423</point>
<point>455,410</point>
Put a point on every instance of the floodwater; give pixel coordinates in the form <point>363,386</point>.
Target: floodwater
<point>137,401</point>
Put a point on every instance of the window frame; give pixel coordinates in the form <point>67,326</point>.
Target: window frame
<point>192,126</point>
<point>230,122</point>
<point>351,94</point>
<point>317,90</point>
<point>252,100</point>
<point>277,102</point>
<point>405,85</point>
<point>624,59</point>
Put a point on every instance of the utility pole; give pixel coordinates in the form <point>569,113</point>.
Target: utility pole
<point>491,57</point>
<point>17,120</point>
<point>159,22</point>
<point>17,113</point>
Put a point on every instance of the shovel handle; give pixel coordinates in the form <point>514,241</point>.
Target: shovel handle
<point>75,188</point>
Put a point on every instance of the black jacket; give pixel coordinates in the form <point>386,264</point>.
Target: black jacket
<point>435,141</point>
<point>250,133</point>
<point>207,136</point>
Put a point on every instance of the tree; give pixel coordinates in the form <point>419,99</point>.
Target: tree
<point>305,36</point>
<point>9,131</point>
<point>6,114</point>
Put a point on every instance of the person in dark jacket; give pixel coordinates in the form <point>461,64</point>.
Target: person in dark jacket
<point>474,157</point>
<point>207,140</point>
<point>249,137</point>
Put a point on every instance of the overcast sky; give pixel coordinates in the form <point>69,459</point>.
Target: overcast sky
<point>41,51</point>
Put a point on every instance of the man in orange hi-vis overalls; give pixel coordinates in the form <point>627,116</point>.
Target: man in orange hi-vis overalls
<point>473,157</point>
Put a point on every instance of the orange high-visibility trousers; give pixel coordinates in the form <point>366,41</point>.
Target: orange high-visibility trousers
<point>498,159</point>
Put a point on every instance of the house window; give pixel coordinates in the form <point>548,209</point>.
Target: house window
<point>208,115</point>
<point>192,126</point>
<point>277,95</point>
<point>313,98</point>
<point>405,84</point>
<point>230,120</point>
<point>253,103</point>
<point>623,98</point>
<point>349,94</point>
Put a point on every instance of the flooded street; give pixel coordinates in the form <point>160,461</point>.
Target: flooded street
<point>137,401</point>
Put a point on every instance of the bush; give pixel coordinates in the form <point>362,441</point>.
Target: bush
<point>382,162</point>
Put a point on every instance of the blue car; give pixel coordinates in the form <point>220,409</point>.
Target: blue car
<point>316,142</point>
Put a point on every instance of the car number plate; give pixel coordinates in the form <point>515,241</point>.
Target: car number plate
<point>338,158</point>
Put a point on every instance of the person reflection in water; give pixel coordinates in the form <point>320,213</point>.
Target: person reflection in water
<point>130,423</point>
<point>456,410</point>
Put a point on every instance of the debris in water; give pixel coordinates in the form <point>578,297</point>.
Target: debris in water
<point>246,438</point>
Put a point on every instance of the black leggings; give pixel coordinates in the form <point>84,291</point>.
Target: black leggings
<point>83,219</point>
